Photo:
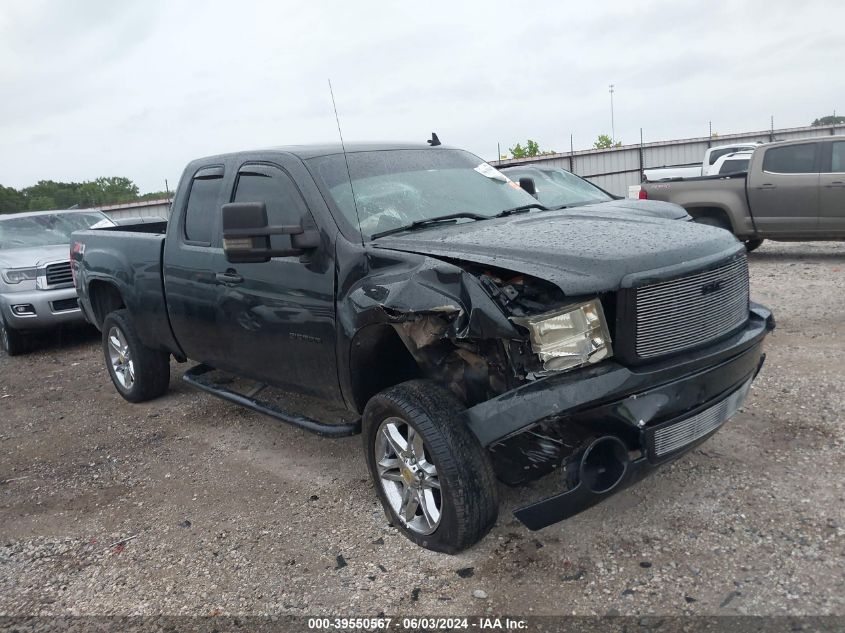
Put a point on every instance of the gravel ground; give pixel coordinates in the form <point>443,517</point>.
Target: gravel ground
<point>230,512</point>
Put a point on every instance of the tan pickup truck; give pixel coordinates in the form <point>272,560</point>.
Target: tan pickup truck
<point>792,191</point>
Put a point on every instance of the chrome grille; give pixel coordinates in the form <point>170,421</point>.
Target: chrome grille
<point>675,436</point>
<point>682,313</point>
<point>59,274</point>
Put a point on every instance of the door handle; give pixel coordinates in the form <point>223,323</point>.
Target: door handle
<point>229,278</point>
<point>767,185</point>
<point>835,183</point>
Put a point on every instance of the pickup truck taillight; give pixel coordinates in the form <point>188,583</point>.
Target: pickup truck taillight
<point>643,195</point>
<point>75,247</point>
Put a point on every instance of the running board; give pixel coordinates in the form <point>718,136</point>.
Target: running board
<point>196,377</point>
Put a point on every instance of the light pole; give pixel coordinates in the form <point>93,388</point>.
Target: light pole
<point>612,122</point>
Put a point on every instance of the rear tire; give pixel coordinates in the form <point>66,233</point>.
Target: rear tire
<point>428,467</point>
<point>139,373</point>
<point>12,341</point>
<point>751,245</point>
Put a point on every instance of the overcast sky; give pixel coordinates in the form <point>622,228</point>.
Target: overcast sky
<point>138,88</point>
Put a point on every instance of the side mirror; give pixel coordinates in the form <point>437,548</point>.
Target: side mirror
<point>528,185</point>
<point>246,234</point>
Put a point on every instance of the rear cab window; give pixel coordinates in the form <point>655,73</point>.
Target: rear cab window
<point>203,202</point>
<point>837,157</point>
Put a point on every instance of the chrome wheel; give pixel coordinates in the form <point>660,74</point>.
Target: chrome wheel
<point>408,476</point>
<point>121,358</point>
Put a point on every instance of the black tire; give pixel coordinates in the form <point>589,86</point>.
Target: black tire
<point>751,245</point>
<point>710,220</point>
<point>467,496</point>
<point>150,368</point>
<point>12,341</point>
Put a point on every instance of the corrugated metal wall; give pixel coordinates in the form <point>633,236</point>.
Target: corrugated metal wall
<point>616,168</point>
<point>143,209</point>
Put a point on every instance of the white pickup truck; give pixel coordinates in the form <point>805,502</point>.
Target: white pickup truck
<point>708,166</point>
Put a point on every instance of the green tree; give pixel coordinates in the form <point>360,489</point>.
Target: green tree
<point>11,200</point>
<point>117,189</point>
<point>46,195</point>
<point>605,142</point>
<point>531,149</point>
<point>828,120</point>
<point>156,195</point>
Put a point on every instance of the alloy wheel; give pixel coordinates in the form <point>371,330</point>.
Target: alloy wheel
<point>121,358</point>
<point>408,476</point>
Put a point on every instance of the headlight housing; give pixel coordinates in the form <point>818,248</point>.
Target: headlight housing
<point>17,275</point>
<point>570,337</point>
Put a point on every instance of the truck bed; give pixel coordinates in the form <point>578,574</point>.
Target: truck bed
<point>129,258</point>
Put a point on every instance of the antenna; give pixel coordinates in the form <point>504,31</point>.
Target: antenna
<point>346,160</point>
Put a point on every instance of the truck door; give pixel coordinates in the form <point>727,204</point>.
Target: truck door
<point>278,317</point>
<point>189,281</point>
<point>832,190</point>
<point>784,195</point>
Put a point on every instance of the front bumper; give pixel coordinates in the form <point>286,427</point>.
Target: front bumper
<point>640,406</point>
<point>50,308</point>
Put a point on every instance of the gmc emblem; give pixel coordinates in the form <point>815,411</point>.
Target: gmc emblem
<point>713,286</point>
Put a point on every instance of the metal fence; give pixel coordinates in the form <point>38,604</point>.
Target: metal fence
<point>139,209</point>
<point>614,169</point>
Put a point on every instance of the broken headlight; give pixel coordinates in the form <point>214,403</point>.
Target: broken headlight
<point>570,337</point>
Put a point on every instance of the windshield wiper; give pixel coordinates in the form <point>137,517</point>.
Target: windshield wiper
<point>521,209</point>
<point>428,221</point>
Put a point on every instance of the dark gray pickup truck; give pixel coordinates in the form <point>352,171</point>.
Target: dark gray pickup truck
<point>478,334</point>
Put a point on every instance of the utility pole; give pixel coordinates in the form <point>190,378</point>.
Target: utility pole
<point>612,122</point>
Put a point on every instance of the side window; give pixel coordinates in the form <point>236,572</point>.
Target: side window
<point>203,201</point>
<point>837,157</point>
<point>791,159</point>
<point>273,187</point>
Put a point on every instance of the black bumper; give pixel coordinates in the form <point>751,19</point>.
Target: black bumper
<point>632,404</point>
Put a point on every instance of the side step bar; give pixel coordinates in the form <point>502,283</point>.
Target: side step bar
<point>196,377</point>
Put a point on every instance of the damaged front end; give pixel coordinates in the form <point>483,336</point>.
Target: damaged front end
<point>535,368</point>
<point>478,331</point>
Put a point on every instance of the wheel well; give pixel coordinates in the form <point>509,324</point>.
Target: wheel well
<point>105,298</point>
<point>379,359</point>
<point>714,213</point>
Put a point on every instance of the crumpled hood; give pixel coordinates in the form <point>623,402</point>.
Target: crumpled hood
<point>650,208</point>
<point>580,250</point>
<point>35,256</point>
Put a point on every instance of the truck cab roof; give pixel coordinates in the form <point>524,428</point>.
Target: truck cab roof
<point>305,152</point>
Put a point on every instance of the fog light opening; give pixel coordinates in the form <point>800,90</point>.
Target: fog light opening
<point>604,464</point>
<point>23,309</point>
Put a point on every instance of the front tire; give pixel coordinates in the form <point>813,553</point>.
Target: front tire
<point>751,245</point>
<point>434,480</point>
<point>139,373</point>
<point>12,341</point>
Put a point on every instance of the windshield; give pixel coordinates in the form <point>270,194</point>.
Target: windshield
<point>43,230</point>
<point>558,187</point>
<point>394,188</point>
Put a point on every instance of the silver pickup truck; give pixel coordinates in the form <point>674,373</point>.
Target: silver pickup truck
<point>792,191</point>
<point>36,287</point>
